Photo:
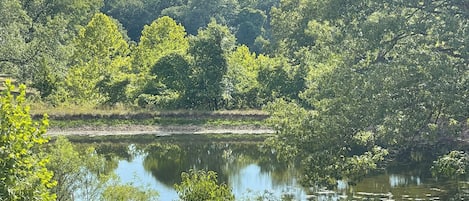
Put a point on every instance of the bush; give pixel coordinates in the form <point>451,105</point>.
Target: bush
<point>451,166</point>
<point>201,185</point>
<point>23,172</point>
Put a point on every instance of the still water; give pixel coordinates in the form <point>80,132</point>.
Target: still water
<point>250,172</point>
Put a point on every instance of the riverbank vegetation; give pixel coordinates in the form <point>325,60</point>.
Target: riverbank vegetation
<point>348,85</point>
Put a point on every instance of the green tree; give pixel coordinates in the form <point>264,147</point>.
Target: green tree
<point>135,14</point>
<point>240,82</point>
<point>378,78</point>
<point>23,172</point>
<point>127,192</point>
<point>101,51</point>
<point>37,37</point>
<point>201,185</point>
<point>196,14</point>
<point>160,40</point>
<point>288,35</point>
<point>132,14</point>
<point>278,79</point>
<point>162,37</point>
<point>172,80</point>
<point>209,49</point>
<point>453,165</point>
<point>173,71</point>
<point>250,26</point>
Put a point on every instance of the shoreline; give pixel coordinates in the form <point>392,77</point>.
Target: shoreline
<point>92,131</point>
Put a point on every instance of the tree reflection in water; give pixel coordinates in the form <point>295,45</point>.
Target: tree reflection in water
<point>250,170</point>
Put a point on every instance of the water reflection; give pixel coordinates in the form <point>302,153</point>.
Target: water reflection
<point>239,164</point>
<point>133,171</point>
<point>250,172</point>
<point>396,180</point>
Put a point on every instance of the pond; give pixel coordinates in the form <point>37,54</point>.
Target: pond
<point>157,162</point>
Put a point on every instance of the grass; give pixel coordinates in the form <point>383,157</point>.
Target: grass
<point>77,110</point>
<point>155,121</point>
<point>143,139</point>
<point>69,110</point>
<point>77,116</point>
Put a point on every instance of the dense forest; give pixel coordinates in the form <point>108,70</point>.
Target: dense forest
<point>168,55</point>
<point>349,84</point>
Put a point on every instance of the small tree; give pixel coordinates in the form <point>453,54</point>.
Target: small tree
<point>453,165</point>
<point>128,192</point>
<point>23,172</point>
<point>202,185</point>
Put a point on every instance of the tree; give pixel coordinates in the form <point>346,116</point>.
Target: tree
<point>135,14</point>
<point>250,26</point>
<point>101,51</point>
<point>240,82</point>
<point>127,192</point>
<point>80,174</point>
<point>173,71</point>
<point>379,78</point>
<point>208,50</point>
<point>201,185</point>
<point>23,172</point>
<point>160,40</point>
<point>278,79</point>
<point>37,37</point>
<point>288,35</point>
<point>197,14</point>
<point>162,37</point>
<point>132,14</point>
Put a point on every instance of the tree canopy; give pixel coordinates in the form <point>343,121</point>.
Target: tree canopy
<point>380,78</point>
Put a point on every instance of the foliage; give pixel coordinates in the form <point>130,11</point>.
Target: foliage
<point>65,162</point>
<point>376,80</point>
<point>127,192</point>
<point>453,165</point>
<point>135,14</point>
<point>162,37</point>
<point>161,50</point>
<point>208,50</point>
<point>114,89</point>
<point>23,172</point>
<point>277,79</point>
<point>250,25</point>
<point>36,38</point>
<point>80,174</point>
<point>355,79</point>
<point>302,134</point>
<point>240,81</point>
<point>101,51</point>
<point>201,185</point>
<point>196,14</point>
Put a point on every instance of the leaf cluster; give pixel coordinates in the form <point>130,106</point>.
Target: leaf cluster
<point>23,171</point>
<point>202,185</point>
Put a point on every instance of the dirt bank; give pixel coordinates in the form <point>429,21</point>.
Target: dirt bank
<point>157,130</point>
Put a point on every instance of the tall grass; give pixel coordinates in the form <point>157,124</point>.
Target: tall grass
<point>38,108</point>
